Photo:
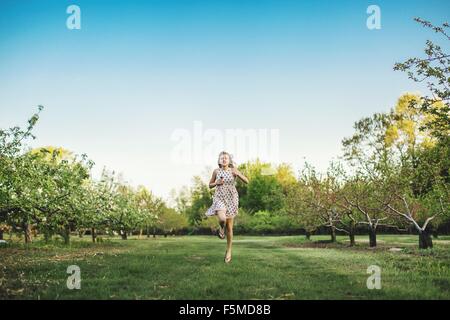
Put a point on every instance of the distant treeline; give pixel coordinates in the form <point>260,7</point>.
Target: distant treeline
<point>392,176</point>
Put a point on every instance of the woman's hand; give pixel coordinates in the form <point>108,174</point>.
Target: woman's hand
<point>219,182</point>
<point>214,180</point>
<point>239,175</point>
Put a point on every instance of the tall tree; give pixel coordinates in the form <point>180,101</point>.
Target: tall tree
<point>433,69</point>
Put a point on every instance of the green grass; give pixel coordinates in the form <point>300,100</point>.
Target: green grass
<point>192,267</point>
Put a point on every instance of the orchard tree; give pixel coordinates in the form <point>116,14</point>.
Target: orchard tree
<point>59,190</point>
<point>408,142</point>
<point>418,211</point>
<point>39,187</point>
<point>194,201</point>
<point>369,156</point>
<point>321,199</point>
<point>125,214</point>
<point>169,220</point>
<point>365,196</point>
<point>432,69</point>
<point>151,208</point>
<point>346,216</point>
<point>299,210</point>
<point>97,204</point>
<point>431,172</point>
<point>22,183</point>
<point>12,165</point>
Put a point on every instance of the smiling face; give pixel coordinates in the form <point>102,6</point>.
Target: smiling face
<point>224,159</point>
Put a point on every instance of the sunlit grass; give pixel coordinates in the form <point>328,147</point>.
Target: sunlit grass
<point>192,267</point>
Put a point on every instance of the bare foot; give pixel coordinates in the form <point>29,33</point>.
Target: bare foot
<point>227,258</point>
<point>221,233</point>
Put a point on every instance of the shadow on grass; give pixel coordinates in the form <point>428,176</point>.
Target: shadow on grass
<point>193,268</point>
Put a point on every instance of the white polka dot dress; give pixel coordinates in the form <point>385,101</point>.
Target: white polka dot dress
<point>226,196</point>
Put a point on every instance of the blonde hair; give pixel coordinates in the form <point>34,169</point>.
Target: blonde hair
<point>231,165</point>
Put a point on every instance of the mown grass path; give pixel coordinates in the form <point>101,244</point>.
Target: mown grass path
<point>192,267</point>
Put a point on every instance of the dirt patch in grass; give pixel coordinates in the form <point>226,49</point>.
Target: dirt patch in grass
<point>10,256</point>
<point>194,258</point>
<point>16,282</point>
<point>315,245</point>
<point>340,245</point>
<point>441,252</point>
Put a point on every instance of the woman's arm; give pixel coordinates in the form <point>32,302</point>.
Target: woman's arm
<point>212,182</point>
<point>238,174</point>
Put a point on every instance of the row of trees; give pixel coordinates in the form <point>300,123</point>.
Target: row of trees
<point>49,190</point>
<point>394,170</point>
<point>362,190</point>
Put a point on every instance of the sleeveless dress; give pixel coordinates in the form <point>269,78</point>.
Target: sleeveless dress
<point>226,196</point>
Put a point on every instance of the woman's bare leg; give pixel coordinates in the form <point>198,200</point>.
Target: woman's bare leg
<point>222,218</point>
<point>229,224</point>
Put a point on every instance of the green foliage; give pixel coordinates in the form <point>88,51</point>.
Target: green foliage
<point>265,222</point>
<point>169,220</point>
<point>433,70</point>
<point>263,193</point>
<point>49,189</point>
<point>264,267</point>
<point>39,188</point>
<point>194,202</point>
<point>394,171</point>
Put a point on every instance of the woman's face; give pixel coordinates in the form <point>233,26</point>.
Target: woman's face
<point>224,159</point>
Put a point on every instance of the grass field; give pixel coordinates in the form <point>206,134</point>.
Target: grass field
<point>192,267</point>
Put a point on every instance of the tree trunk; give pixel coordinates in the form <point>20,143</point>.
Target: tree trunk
<point>308,235</point>
<point>425,240</point>
<point>333,234</point>
<point>433,230</point>
<point>47,236</point>
<point>351,235</point>
<point>372,237</point>
<point>124,235</point>
<point>140,233</point>
<point>147,231</point>
<point>1,234</point>
<point>27,230</point>
<point>66,234</point>
<point>154,232</point>
<point>93,235</point>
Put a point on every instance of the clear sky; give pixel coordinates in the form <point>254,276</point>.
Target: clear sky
<point>137,72</point>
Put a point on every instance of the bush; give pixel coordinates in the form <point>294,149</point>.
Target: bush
<point>265,222</point>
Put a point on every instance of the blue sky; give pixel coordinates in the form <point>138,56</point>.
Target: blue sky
<point>138,70</point>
